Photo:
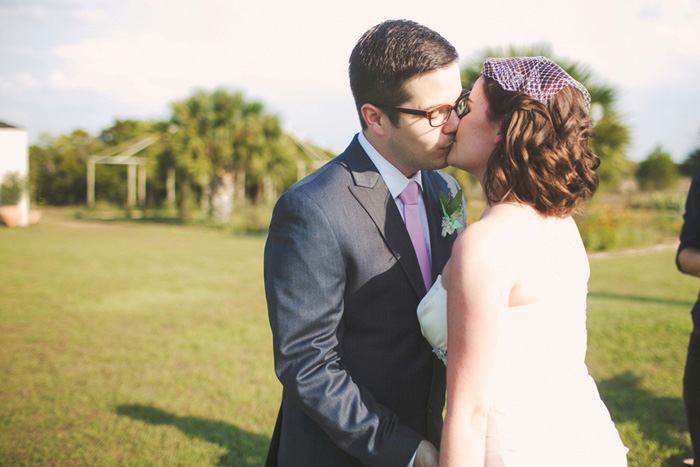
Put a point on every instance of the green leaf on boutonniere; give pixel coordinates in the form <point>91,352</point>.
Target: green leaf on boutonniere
<point>451,211</point>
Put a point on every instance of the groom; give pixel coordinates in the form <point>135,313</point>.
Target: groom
<point>343,275</point>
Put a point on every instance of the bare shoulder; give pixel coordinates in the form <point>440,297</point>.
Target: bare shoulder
<point>512,247</point>
<point>487,243</point>
<point>498,239</point>
<point>499,227</point>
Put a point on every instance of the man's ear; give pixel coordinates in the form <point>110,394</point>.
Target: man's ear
<point>374,118</point>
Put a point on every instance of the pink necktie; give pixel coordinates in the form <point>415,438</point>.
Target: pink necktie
<point>409,197</point>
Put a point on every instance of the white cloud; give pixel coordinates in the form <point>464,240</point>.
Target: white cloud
<point>146,68</point>
<point>293,55</point>
<point>657,48</point>
<point>20,51</point>
<point>630,43</point>
<point>27,81</point>
<point>160,50</point>
<point>6,85</point>
<point>23,10</point>
<point>204,47</point>
<point>18,83</point>
<point>55,11</point>
<point>89,15</point>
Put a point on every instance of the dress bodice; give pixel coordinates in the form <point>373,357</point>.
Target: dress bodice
<point>556,323</point>
<point>432,315</point>
<point>543,402</point>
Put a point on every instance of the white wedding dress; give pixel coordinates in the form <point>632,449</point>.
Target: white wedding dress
<point>545,409</point>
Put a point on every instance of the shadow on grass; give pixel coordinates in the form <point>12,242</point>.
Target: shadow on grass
<point>638,298</point>
<point>127,216</point>
<point>659,419</point>
<point>244,448</point>
<point>240,231</point>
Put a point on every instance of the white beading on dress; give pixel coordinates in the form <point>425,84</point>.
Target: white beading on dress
<point>545,409</point>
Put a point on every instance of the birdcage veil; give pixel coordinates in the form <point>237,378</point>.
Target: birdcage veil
<point>538,77</point>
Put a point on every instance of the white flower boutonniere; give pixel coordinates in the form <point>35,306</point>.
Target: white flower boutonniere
<point>451,211</point>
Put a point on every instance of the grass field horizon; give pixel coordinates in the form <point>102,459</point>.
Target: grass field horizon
<point>134,343</point>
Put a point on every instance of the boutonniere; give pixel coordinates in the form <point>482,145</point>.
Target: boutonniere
<point>451,211</point>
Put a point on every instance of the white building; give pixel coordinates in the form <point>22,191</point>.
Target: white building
<point>14,157</point>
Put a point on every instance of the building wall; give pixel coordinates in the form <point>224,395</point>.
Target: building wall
<point>14,157</point>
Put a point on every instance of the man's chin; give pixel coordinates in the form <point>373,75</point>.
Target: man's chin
<point>450,159</point>
<point>443,158</point>
<point>440,162</point>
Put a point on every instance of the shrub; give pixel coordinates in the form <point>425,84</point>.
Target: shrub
<point>11,188</point>
<point>607,228</point>
<point>657,171</point>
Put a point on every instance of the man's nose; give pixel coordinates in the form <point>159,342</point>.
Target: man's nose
<point>452,123</point>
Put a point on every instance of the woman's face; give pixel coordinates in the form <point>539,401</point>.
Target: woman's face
<point>477,136</point>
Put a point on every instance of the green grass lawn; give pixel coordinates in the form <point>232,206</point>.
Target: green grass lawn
<point>638,330</point>
<point>139,344</point>
<point>133,344</point>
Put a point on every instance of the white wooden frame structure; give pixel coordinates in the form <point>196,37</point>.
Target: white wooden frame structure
<point>318,158</point>
<point>122,154</point>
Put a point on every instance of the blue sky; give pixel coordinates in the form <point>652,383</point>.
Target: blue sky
<point>67,64</point>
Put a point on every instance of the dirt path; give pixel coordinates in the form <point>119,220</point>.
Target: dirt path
<point>634,251</point>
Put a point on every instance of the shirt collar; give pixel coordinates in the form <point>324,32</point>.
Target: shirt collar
<point>395,181</point>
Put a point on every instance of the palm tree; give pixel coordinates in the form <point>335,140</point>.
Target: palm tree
<point>189,146</point>
<point>223,144</point>
<point>612,136</point>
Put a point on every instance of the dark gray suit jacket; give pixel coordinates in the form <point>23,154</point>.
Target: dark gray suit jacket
<point>361,385</point>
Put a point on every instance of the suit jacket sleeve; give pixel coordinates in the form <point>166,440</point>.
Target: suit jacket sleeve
<point>304,286</point>
<point>690,232</point>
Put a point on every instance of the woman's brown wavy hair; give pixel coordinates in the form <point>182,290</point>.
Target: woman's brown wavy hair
<point>543,158</point>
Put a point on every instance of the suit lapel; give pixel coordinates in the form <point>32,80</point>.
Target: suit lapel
<point>439,246</point>
<point>371,192</point>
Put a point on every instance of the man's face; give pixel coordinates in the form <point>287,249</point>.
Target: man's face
<point>415,145</point>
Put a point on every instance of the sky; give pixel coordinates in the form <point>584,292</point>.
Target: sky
<point>68,64</point>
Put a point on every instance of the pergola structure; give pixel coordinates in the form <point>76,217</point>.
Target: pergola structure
<point>318,158</point>
<point>123,154</point>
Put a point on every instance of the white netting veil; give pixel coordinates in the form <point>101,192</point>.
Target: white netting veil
<point>538,77</point>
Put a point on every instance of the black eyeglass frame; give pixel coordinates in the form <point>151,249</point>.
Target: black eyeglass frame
<point>460,102</point>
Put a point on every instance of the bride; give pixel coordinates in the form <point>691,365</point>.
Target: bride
<point>519,392</point>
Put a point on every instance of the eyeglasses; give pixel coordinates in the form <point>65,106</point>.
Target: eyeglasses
<point>438,116</point>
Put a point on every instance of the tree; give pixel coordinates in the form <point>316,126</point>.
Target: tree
<point>657,171</point>
<point>612,136</point>
<point>276,168</point>
<point>219,147</point>
<point>112,180</point>
<point>58,164</point>
<point>223,145</point>
<point>688,165</point>
<point>193,120</point>
<point>58,167</point>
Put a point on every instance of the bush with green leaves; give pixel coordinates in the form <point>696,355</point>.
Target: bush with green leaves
<point>688,165</point>
<point>657,171</point>
<point>11,188</point>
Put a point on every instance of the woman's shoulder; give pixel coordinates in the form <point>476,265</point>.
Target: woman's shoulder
<point>490,237</point>
<point>503,234</point>
<point>488,251</point>
<point>504,222</point>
